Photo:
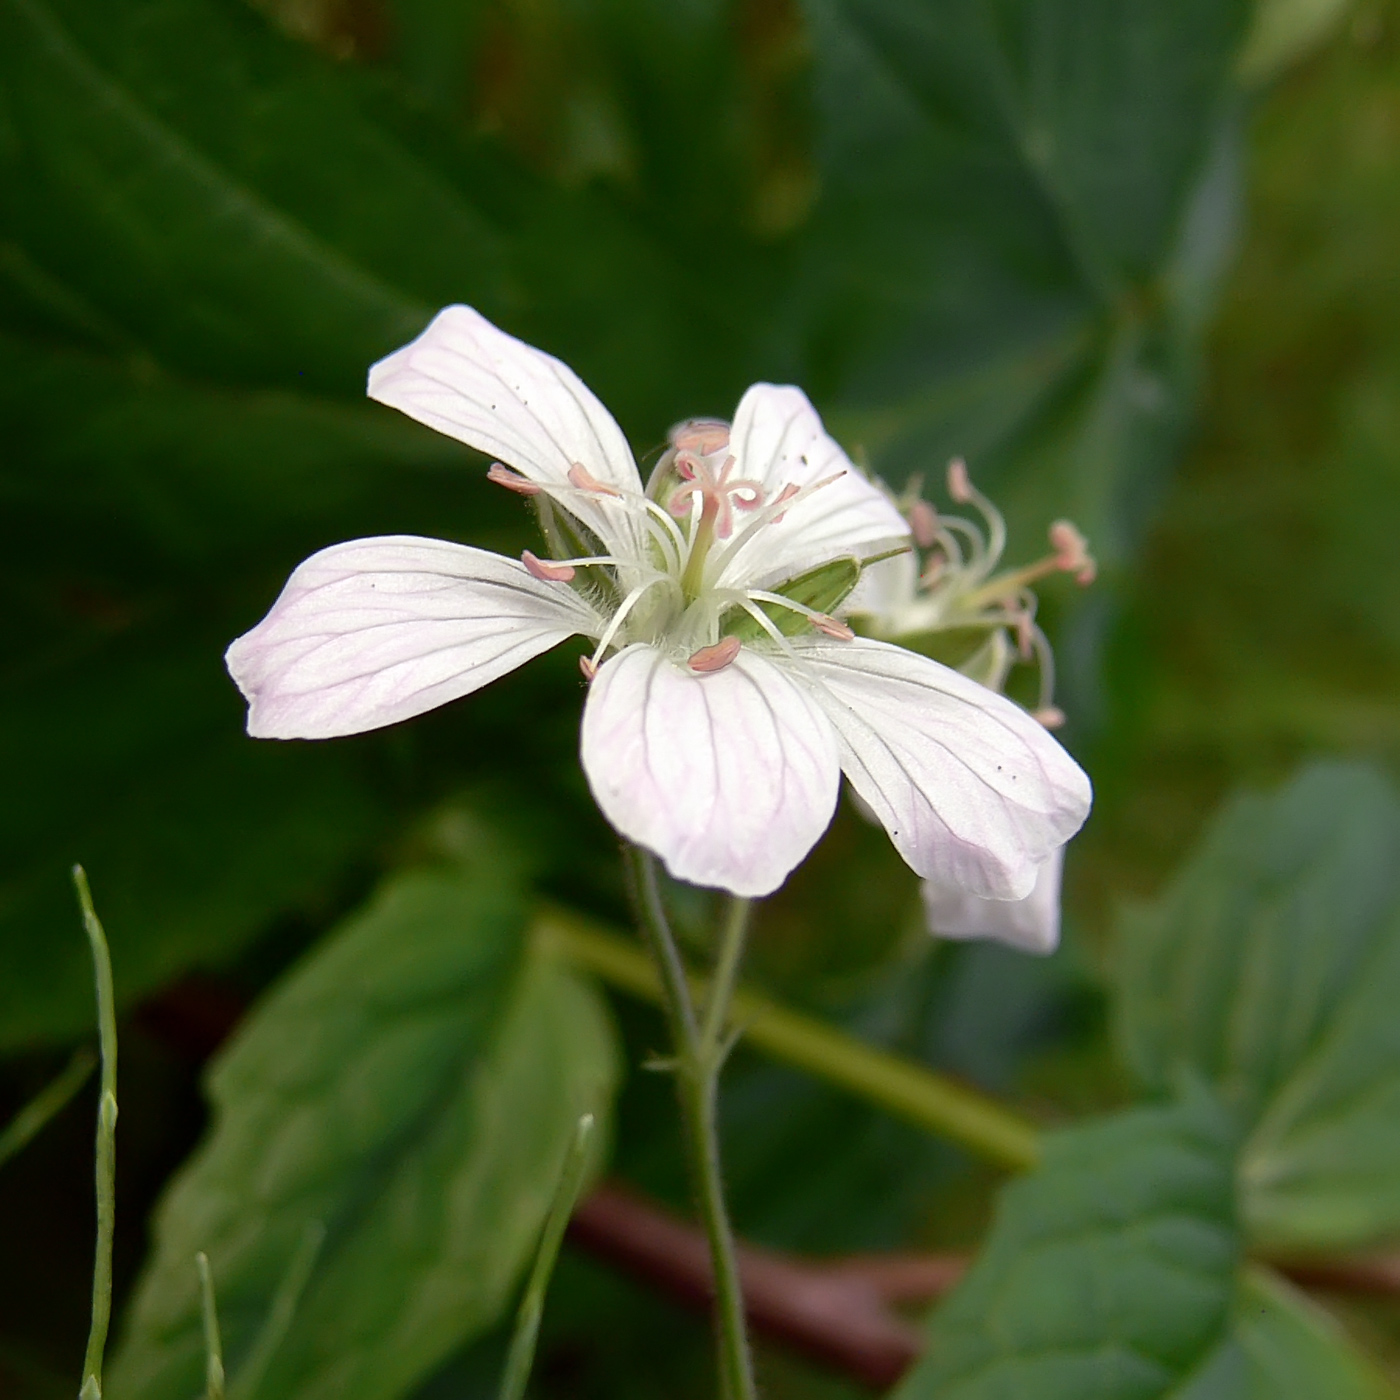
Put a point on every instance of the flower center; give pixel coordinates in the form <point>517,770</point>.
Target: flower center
<point>708,484</point>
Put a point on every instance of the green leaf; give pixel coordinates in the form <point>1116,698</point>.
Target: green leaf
<point>1108,1274</point>
<point>1271,965</point>
<point>1293,1350</point>
<point>1113,1273</point>
<point>412,1086</point>
<point>186,185</point>
<point>1034,204</point>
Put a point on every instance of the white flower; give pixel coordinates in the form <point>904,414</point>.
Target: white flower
<point>724,699</point>
<point>1031,924</point>
<point>951,589</point>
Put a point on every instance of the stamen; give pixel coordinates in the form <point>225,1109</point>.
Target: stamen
<point>702,435</point>
<point>580,476</point>
<point>715,658</point>
<point>588,666</point>
<point>923,522</point>
<point>823,622</point>
<point>1072,552</point>
<point>625,607</point>
<point>767,516</point>
<point>786,494</point>
<point>832,627</point>
<point>1051,716</point>
<point>502,475</point>
<point>959,483</point>
<point>546,571</point>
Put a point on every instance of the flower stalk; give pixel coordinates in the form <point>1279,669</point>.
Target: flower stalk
<point>701,1045</point>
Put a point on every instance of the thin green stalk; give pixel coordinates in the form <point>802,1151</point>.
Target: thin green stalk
<point>26,1125</point>
<point>213,1343</point>
<point>720,995</point>
<point>699,1057</point>
<point>901,1086</point>
<point>666,959</point>
<point>106,1144</point>
<point>248,1382</point>
<point>521,1358</point>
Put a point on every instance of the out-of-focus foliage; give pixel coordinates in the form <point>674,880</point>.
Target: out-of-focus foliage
<point>1262,625</point>
<point>997,234</point>
<point>1108,1273</point>
<point>1115,1272</point>
<point>991,229</point>
<point>410,1089</point>
<point>1271,965</point>
<point>1268,968</point>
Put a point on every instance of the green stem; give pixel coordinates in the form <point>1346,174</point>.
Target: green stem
<point>50,1100</point>
<point>106,1144</point>
<point>213,1343</point>
<point>699,1056</point>
<point>902,1086</point>
<point>527,1323</point>
<point>720,999</point>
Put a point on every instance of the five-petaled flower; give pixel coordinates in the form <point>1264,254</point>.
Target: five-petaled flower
<point>951,588</point>
<point>724,697</point>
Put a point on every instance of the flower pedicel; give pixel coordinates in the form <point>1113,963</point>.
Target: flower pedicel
<point>725,698</point>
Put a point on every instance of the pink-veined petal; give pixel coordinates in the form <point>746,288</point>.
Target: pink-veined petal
<point>973,792</point>
<point>472,381</point>
<point>778,440</point>
<point>1031,924</point>
<point>730,777</point>
<point>375,631</point>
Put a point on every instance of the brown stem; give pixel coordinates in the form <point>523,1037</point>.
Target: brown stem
<point>841,1312</point>
<point>838,1315</point>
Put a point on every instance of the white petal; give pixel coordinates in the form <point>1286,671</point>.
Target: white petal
<point>375,631</point>
<point>483,387</point>
<point>730,777</point>
<point>1031,924</point>
<point>778,440</point>
<point>973,792</point>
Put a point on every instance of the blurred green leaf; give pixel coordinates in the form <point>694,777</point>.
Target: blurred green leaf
<point>413,1086</point>
<point>1271,965</point>
<point>206,235</point>
<point>1292,1350</point>
<point>1109,1272</point>
<point>1113,1272</point>
<point>1037,195</point>
<point>1285,31</point>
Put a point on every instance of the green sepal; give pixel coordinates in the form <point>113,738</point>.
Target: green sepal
<point>957,647</point>
<point>820,589</point>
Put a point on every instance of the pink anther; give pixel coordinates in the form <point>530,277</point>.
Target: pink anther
<point>786,494</point>
<point>923,521</point>
<point>715,658</point>
<point>959,483</point>
<point>512,481</point>
<point>702,435</point>
<point>832,627</point>
<point>546,571</point>
<point>588,666</point>
<point>580,476</point>
<point>1051,716</point>
<point>1072,552</point>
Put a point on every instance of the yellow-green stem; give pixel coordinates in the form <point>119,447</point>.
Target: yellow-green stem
<point>903,1087</point>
